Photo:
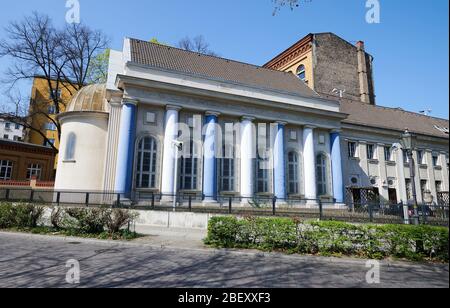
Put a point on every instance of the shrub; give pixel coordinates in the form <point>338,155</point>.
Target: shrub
<point>20,215</point>
<point>116,219</point>
<point>88,221</point>
<point>6,215</point>
<point>330,238</point>
<point>57,218</point>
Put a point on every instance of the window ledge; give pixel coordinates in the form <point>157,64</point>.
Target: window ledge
<point>69,161</point>
<point>391,163</point>
<point>437,167</point>
<point>357,159</point>
<point>373,161</point>
<point>423,166</point>
<point>228,193</point>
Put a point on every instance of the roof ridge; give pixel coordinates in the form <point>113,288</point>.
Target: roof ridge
<point>211,56</point>
<point>396,109</point>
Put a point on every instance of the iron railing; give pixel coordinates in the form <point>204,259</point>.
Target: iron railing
<point>259,205</point>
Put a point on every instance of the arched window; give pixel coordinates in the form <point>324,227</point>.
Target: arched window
<point>321,172</point>
<point>301,72</point>
<point>293,173</point>
<point>146,163</point>
<point>70,147</point>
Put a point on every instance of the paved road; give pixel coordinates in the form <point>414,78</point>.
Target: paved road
<point>37,261</point>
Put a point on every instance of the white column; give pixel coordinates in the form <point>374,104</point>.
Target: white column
<point>209,157</point>
<point>279,163</point>
<point>169,155</point>
<point>247,154</point>
<point>309,163</point>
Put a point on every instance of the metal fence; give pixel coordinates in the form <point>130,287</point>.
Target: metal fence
<point>255,206</point>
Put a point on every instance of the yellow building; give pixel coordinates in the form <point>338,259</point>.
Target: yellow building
<point>41,104</point>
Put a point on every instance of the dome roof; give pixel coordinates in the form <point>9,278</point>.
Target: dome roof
<point>89,98</point>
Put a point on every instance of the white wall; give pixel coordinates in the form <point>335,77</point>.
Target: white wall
<point>86,171</point>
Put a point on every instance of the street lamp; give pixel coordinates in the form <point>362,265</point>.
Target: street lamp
<point>408,143</point>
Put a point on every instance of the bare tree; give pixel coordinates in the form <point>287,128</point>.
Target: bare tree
<point>279,4</point>
<point>61,57</point>
<point>197,44</point>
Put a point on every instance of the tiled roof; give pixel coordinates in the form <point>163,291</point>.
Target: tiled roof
<point>220,69</point>
<point>393,118</point>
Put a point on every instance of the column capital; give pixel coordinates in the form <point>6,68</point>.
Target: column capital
<point>173,107</point>
<point>336,131</point>
<point>212,113</point>
<point>309,127</point>
<point>283,123</point>
<point>248,118</point>
<point>130,101</point>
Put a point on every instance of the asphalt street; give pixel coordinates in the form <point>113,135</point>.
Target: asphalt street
<point>40,261</point>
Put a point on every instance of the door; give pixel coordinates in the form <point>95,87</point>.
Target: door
<point>392,196</point>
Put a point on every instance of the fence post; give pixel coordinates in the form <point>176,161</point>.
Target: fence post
<point>230,205</point>
<point>274,206</point>
<point>58,198</point>
<point>190,204</point>
<point>87,199</point>
<point>7,195</point>
<point>31,195</point>
<point>370,212</point>
<point>424,213</point>
<point>118,200</point>
<point>153,201</point>
<point>320,209</point>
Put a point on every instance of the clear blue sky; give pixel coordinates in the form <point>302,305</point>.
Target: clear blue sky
<point>410,46</point>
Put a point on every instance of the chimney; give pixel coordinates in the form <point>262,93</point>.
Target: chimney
<point>362,73</point>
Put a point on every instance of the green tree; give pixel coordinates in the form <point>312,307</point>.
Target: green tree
<point>98,70</point>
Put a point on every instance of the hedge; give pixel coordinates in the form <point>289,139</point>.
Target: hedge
<point>76,221</point>
<point>415,243</point>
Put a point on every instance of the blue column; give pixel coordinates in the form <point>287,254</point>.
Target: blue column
<point>209,158</point>
<point>125,153</point>
<point>336,165</point>
<point>279,163</point>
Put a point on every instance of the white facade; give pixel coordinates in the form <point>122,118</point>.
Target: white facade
<point>11,131</point>
<point>127,146</point>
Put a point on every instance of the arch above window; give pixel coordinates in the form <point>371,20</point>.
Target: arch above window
<point>301,72</point>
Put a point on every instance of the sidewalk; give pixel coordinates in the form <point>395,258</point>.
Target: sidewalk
<point>171,237</point>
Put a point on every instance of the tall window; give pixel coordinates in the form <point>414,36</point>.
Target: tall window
<point>438,186</point>
<point>370,151</point>
<point>293,164</point>
<point>301,72</point>
<point>387,153</point>
<point>6,168</point>
<point>34,170</point>
<point>435,160</point>
<point>420,157</point>
<point>70,147</point>
<point>405,156</point>
<point>7,125</point>
<point>423,186</point>
<point>321,171</point>
<point>352,149</point>
<point>262,159</point>
<point>227,169</point>
<point>146,163</point>
<point>189,168</point>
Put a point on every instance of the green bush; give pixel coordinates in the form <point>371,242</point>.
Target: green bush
<point>20,215</point>
<point>330,238</point>
<point>6,215</point>
<point>117,219</point>
<point>86,220</point>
